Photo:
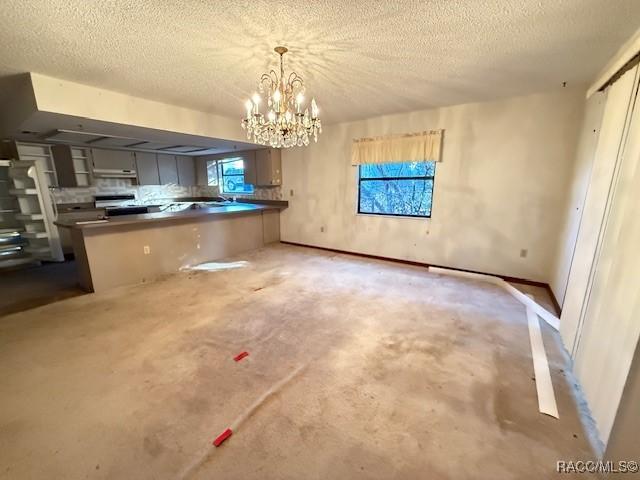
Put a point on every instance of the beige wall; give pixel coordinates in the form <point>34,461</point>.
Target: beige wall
<point>75,99</point>
<point>500,188</point>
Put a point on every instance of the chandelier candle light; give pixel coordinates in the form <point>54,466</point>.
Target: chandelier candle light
<point>285,124</point>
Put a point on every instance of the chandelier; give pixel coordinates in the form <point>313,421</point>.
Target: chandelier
<point>285,125</point>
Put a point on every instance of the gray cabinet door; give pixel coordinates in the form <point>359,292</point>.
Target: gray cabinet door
<point>168,169</point>
<point>72,165</point>
<point>186,170</point>
<point>250,172</point>
<point>147,168</point>
<point>202,175</point>
<point>64,166</point>
<point>113,159</point>
<point>268,168</point>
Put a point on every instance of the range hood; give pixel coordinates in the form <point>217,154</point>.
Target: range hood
<point>113,173</point>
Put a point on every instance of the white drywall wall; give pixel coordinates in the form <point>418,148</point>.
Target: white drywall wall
<point>500,187</point>
<point>577,193</point>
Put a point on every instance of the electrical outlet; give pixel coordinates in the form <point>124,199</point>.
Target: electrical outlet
<point>321,229</point>
<point>291,192</point>
<point>523,253</point>
<point>147,249</point>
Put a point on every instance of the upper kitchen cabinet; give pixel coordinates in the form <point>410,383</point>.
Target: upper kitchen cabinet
<point>268,168</point>
<point>186,170</point>
<point>147,168</point>
<point>113,163</point>
<point>72,165</point>
<point>249,165</point>
<point>168,169</point>
<point>202,171</point>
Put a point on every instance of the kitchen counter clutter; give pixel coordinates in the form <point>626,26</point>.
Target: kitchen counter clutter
<point>131,249</point>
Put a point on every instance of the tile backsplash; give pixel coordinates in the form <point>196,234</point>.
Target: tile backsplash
<point>148,194</point>
<point>271,193</point>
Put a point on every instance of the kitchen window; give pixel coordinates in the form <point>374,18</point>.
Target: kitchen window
<point>212,173</point>
<point>231,177</point>
<point>398,189</point>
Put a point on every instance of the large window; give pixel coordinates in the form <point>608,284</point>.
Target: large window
<point>232,177</point>
<point>402,189</point>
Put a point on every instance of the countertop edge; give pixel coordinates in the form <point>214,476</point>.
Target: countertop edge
<point>150,218</point>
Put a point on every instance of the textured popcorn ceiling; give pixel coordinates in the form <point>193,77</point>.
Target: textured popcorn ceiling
<point>359,58</point>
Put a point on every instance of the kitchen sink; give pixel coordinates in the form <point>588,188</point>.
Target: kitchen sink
<point>184,206</point>
<point>200,205</point>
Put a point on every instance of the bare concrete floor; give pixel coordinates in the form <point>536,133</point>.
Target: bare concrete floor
<point>405,374</point>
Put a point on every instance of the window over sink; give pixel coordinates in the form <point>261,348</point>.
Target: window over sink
<point>228,173</point>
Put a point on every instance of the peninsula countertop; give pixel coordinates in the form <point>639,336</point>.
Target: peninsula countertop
<point>222,210</point>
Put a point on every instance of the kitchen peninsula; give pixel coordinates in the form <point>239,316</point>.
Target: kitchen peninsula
<point>136,248</point>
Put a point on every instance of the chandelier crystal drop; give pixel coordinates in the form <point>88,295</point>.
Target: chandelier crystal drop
<point>286,124</point>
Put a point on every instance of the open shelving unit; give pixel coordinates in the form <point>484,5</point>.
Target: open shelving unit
<point>73,165</point>
<point>32,176</point>
<point>42,154</point>
<point>82,172</point>
<point>13,245</point>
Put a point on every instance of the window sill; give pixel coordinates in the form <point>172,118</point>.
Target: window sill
<point>379,215</point>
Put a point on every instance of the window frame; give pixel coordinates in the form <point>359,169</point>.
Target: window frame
<point>395,215</point>
<point>216,183</point>
<point>221,176</point>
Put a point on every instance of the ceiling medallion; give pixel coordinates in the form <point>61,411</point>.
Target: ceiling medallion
<point>285,125</point>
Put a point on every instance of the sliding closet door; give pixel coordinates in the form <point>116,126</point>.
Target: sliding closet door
<point>613,134</point>
<point>611,327</point>
<point>585,154</point>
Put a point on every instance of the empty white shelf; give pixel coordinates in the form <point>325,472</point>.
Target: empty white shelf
<point>30,216</point>
<point>23,191</point>
<point>34,235</point>
<point>37,250</point>
<point>10,231</point>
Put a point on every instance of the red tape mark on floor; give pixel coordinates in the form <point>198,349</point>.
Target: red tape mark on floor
<point>222,437</point>
<point>240,356</point>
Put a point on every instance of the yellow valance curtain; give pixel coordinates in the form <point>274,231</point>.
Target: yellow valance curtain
<point>411,147</point>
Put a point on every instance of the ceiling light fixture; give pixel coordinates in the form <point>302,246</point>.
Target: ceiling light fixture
<point>285,124</point>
